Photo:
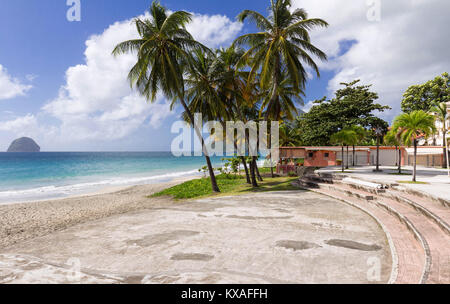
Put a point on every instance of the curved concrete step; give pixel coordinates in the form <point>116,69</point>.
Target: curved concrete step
<point>426,226</point>
<point>437,213</point>
<point>429,207</point>
<point>408,254</point>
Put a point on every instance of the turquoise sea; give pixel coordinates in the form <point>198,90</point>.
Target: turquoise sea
<point>46,175</point>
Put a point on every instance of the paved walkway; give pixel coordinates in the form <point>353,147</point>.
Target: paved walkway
<point>437,179</point>
<point>284,237</point>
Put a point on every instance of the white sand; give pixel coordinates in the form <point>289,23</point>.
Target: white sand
<point>19,222</point>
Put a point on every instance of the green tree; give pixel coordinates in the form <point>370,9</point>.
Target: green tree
<point>353,105</point>
<point>164,51</point>
<point>343,138</point>
<point>423,96</point>
<point>409,127</point>
<point>390,139</point>
<point>441,111</point>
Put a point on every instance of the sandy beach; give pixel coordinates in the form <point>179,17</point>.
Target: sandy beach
<point>20,222</point>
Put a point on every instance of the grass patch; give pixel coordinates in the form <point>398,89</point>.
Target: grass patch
<point>411,182</point>
<point>229,185</point>
<point>264,170</point>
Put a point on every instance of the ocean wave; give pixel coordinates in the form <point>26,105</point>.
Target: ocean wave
<point>52,191</point>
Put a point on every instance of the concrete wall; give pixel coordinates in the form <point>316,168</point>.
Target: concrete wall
<point>387,157</point>
<point>361,157</point>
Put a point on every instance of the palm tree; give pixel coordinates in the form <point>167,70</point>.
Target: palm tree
<point>391,139</point>
<point>282,44</point>
<point>289,136</point>
<point>441,111</point>
<point>409,127</point>
<point>163,54</point>
<point>284,106</point>
<point>345,137</point>
<point>230,86</point>
<point>361,134</point>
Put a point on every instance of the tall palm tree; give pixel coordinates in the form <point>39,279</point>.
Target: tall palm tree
<point>345,137</point>
<point>283,44</point>
<point>409,127</point>
<point>360,136</point>
<point>230,86</point>
<point>391,139</point>
<point>440,109</point>
<point>163,54</point>
<point>284,106</point>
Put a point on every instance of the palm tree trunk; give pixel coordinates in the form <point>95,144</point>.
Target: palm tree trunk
<point>252,165</point>
<point>343,167</point>
<point>247,175</point>
<point>215,187</point>
<point>354,154</point>
<point>257,171</point>
<point>399,161</point>
<point>244,163</point>
<point>415,161</point>
<point>252,173</point>
<point>247,139</point>
<point>348,159</point>
<point>276,73</point>
<point>444,144</point>
<point>270,154</point>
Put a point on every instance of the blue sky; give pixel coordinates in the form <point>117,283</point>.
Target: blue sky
<point>58,79</point>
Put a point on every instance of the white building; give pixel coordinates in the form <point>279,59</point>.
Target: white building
<point>438,138</point>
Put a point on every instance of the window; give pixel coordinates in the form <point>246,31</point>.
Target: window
<point>327,155</point>
<point>311,155</point>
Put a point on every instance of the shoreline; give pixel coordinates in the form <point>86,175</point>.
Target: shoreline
<point>23,221</point>
<point>40,194</point>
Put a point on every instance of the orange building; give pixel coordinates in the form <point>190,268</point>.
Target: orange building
<point>290,157</point>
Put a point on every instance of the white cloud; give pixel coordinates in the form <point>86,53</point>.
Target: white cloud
<point>215,30</point>
<point>11,87</point>
<point>19,125</point>
<point>97,103</point>
<point>408,46</point>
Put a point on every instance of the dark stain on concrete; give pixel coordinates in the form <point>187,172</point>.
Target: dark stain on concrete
<point>353,245</point>
<point>32,266</point>
<point>133,280</point>
<point>162,238</point>
<point>191,257</point>
<point>259,217</point>
<point>296,245</point>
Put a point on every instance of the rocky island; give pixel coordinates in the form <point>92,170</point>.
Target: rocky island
<point>24,144</point>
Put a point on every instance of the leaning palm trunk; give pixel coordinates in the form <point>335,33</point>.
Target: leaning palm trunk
<point>247,175</point>
<point>244,163</point>
<point>252,164</point>
<point>252,168</point>
<point>257,172</point>
<point>215,187</point>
